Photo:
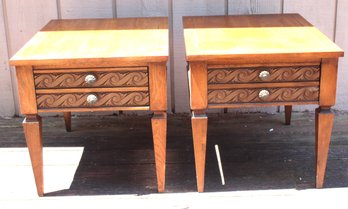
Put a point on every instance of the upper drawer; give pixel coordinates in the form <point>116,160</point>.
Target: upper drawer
<point>97,77</point>
<point>263,74</point>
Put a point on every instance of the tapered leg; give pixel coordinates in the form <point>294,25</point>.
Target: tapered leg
<point>159,132</point>
<point>324,123</point>
<point>288,110</point>
<point>67,120</point>
<point>32,126</point>
<point>199,132</point>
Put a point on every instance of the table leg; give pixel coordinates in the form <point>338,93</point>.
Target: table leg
<point>323,126</point>
<point>159,132</point>
<point>32,126</point>
<point>67,121</point>
<point>199,131</point>
<point>288,110</point>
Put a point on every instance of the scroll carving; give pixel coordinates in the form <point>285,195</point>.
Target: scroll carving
<point>227,96</point>
<point>103,79</point>
<point>79,100</point>
<point>277,74</point>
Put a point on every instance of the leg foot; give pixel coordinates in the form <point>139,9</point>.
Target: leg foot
<point>67,120</point>
<point>32,126</point>
<point>199,132</point>
<point>159,132</point>
<point>288,110</point>
<point>324,122</point>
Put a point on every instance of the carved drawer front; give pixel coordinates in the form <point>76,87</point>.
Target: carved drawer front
<point>263,74</point>
<point>88,100</point>
<point>263,95</point>
<point>89,78</point>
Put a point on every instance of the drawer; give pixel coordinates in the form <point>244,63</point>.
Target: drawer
<point>263,74</point>
<point>90,78</point>
<point>92,100</point>
<point>263,95</point>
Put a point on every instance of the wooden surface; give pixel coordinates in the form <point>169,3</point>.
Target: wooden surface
<point>132,79</point>
<point>287,112</point>
<point>67,121</point>
<point>328,82</point>
<point>112,160</point>
<point>221,41</point>
<point>198,86</point>
<point>32,126</point>
<point>96,109</point>
<point>64,41</point>
<point>245,37</point>
<point>323,125</point>
<point>245,21</point>
<point>234,75</point>
<point>26,90</point>
<point>59,100</point>
<point>159,135</point>
<point>158,86</point>
<point>103,77</point>
<point>230,96</point>
<point>199,123</point>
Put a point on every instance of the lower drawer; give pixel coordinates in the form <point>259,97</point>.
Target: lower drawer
<point>92,100</point>
<point>262,95</point>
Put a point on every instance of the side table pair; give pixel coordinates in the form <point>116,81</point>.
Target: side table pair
<point>120,64</point>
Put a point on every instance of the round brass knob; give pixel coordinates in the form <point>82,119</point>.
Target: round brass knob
<point>263,94</point>
<point>264,75</point>
<point>91,99</point>
<point>90,79</point>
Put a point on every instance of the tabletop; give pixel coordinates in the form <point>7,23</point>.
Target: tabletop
<point>247,36</point>
<point>97,39</point>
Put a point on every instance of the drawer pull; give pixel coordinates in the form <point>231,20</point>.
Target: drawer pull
<point>263,94</point>
<point>90,79</point>
<point>92,99</point>
<point>264,75</point>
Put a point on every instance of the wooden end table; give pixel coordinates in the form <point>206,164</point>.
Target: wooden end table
<point>86,65</point>
<point>260,60</point>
